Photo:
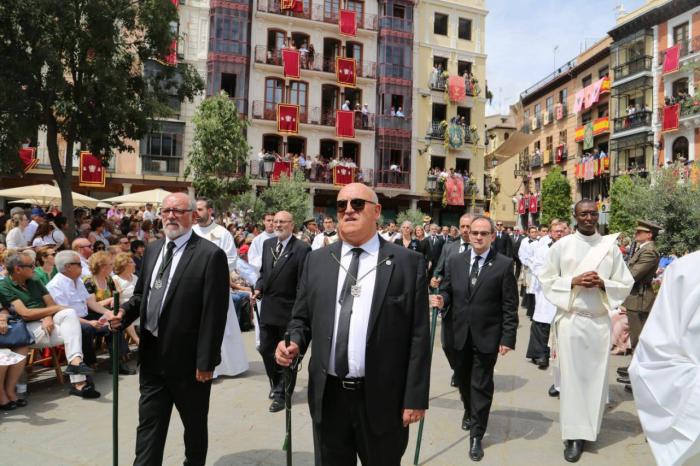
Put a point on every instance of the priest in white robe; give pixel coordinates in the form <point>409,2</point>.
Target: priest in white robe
<point>665,370</point>
<point>233,358</point>
<point>585,277</point>
<point>525,252</point>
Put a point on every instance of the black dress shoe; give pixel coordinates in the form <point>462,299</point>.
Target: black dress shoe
<point>453,382</point>
<point>123,369</point>
<point>9,406</point>
<point>466,421</point>
<point>573,450</point>
<point>277,405</point>
<point>476,452</point>
<point>628,388</point>
<point>78,369</point>
<point>542,363</point>
<point>553,391</point>
<point>271,395</point>
<point>623,371</point>
<point>624,379</point>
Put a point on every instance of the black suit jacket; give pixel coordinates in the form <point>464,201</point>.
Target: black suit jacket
<point>504,244</point>
<point>397,358</point>
<point>191,324</point>
<point>489,311</point>
<point>433,251</point>
<point>278,283</point>
<point>448,251</point>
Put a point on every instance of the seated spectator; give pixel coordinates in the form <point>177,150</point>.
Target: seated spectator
<point>12,361</point>
<point>14,237</point>
<point>84,249</point>
<point>50,323</point>
<point>97,231</point>
<point>241,292</point>
<point>43,236</point>
<point>45,257</point>
<point>125,281</point>
<point>98,246</point>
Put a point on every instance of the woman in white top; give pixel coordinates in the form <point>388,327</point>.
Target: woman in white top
<point>43,235</point>
<point>15,237</point>
<point>125,280</point>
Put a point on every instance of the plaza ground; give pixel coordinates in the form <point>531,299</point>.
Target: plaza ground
<point>57,429</point>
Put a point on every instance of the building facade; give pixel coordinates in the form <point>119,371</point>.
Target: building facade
<point>501,185</point>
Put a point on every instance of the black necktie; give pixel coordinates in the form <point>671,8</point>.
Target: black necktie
<point>278,252</point>
<point>474,273</point>
<point>346,300</point>
<point>157,293</point>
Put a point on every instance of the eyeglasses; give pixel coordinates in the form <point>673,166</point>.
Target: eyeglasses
<point>480,233</point>
<point>281,222</point>
<point>74,263</point>
<point>176,212</point>
<point>357,204</point>
<point>26,266</point>
<point>85,246</point>
<point>499,224</point>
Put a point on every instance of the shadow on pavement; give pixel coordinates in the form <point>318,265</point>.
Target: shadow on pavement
<point>508,383</point>
<point>265,458</point>
<point>519,424</point>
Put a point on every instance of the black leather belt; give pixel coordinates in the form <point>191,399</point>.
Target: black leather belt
<point>351,384</point>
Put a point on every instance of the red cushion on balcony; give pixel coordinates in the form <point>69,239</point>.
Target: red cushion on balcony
<point>28,157</point>
<point>92,173</point>
<point>345,123</point>
<point>291,63</point>
<point>671,116</point>
<point>288,118</point>
<point>281,168</point>
<point>347,23</point>
<point>343,175</point>
<point>345,71</point>
<point>672,58</point>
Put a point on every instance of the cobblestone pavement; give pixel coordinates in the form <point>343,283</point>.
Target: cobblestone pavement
<point>57,429</point>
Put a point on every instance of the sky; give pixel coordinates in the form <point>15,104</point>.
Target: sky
<point>521,36</point>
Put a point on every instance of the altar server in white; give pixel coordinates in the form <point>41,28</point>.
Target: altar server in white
<point>585,277</point>
<point>233,357</point>
<point>665,370</point>
<point>255,260</point>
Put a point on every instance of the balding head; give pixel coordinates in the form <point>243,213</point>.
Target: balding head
<point>357,223</point>
<point>284,225</point>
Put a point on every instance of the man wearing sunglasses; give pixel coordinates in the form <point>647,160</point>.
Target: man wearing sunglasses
<point>362,304</point>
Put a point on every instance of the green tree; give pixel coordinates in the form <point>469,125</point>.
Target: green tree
<point>412,215</point>
<point>248,207</point>
<point>85,72</point>
<point>556,197</point>
<point>288,194</point>
<point>219,151</point>
<point>627,203</point>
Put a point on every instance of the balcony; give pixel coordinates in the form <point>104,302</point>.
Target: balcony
<point>436,130</point>
<point>632,121</point>
<point>312,115</point>
<point>164,166</point>
<point>393,123</point>
<point>316,62</point>
<point>228,46</point>
<point>632,67</point>
<point>536,161</point>
<point>600,126</point>
<point>321,173</point>
<point>390,70</point>
<point>438,84</point>
<point>241,105</point>
<point>393,179</point>
<point>687,47</point>
<point>316,11</point>
<point>396,24</point>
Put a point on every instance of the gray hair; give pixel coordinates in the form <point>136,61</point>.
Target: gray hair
<point>434,225</point>
<point>488,219</point>
<point>14,259</point>
<point>64,258</point>
<point>409,223</point>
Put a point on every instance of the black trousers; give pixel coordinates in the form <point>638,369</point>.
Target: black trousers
<point>528,303</point>
<point>538,346</point>
<point>158,395</point>
<point>270,336</point>
<point>474,375</point>
<point>344,432</point>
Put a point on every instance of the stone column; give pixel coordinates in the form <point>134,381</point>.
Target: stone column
<point>126,188</point>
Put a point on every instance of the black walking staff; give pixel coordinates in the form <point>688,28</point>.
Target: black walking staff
<point>115,385</point>
<point>288,378</point>
<point>433,324</point>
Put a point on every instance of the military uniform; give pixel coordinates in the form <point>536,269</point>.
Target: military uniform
<point>643,265</point>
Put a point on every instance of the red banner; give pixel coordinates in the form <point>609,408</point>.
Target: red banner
<point>171,57</point>
<point>454,190</point>
<point>672,59</point>
<point>288,118</point>
<point>348,23</point>
<point>671,116</point>
<point>28,157</point>
<point>456,88</point>
<point>281,168</point>
<point>343,175</point>
<point>345,71</point>
<point>92,173</point>
<point>291,63</point>
<point>521,206</point>
<point>559,112</point>
<point>559,154</point>
<point>345,123</point>
<point>532,205</point>
<point>297,6</point>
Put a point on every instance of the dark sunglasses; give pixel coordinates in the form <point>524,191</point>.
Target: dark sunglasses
<point>357,204</point>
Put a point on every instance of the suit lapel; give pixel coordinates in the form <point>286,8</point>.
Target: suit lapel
<point>187,255</point>
<point>483,273</point>
<point>149,264</point>
<point>381,283</point>
<point>331,267</point>
<point>287,252</point>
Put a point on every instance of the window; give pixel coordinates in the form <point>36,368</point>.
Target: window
<point>351,150</point>
<point>562,137</point>
<point>228,84</point>
<point>563,95</point>
<point>549,143</point>
<point>330,9</point>
<point>440,25</point>
<point>462,165</point>
<point>586,117</point>
<point>274,94</point>
<point>355,98</point>
<point>437,162</point>
<point>537,146</point>
<point>549,104</point>
<point>329,149</point>
<point>603,110</point>
<point>399,11</point>
<point>587,80</point>
<point>439,112</point>
<point>354,50</point>
<point>465,29</point>
<point>163,144</point>
<point>679,86</point>
<point>680,34</point>
<point>538,185</point>
<point>679,150</point>
<point>298,95</point>
<point>440,63</point>
<point>465,112</point>
<point>272,143</point>
<point>604,71</point>
<point>464,67</point>
<point>296,145</point>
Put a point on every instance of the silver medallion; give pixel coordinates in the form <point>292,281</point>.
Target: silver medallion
<point>473,281</point>
<point>158,284</point>
<point>356,291</point>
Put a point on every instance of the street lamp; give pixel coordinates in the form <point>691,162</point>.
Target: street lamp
<point>431,187</point>
<point>268,166</point>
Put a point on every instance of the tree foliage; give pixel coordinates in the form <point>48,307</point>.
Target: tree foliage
<point>412,215</point>
<point>85,72</point>
<point>219,151</point>
<point>556,197</point>
<point>627,203</point>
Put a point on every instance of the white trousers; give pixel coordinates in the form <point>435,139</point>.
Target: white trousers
<point>66,332</point>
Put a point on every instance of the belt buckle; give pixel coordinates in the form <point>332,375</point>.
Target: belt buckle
<point>348,384</point>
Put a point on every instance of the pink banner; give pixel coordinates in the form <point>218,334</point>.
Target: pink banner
<point>578,101</point>
<point>672,59</point>
<point>454,189</point>
<point>456,87</point>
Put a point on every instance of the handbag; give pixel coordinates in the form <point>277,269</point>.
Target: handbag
<point>17,334</point>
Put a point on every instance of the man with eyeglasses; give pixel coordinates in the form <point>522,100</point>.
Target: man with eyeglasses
<point>329,235</point>
<point>50,324</point>
<point>282,264</point>
<point>124,244</point>
<point>503,242</point>
<point>480,290</point>
<point>84,249</point>
<point>585,278</point>
<point>182,297</point>
<point>362,305</point>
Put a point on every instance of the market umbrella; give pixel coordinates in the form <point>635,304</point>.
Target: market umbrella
<point>153,196</point>
<point>100,205</point>
<point>45,194</point>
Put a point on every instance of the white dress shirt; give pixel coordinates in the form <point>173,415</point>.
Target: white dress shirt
<point>85,268</point>
<point>29,231</point>
<point>482,261</point>
<point>180,243</point>
<point>15,239</point>
<point>256,249</point>
<point>69,293</point>
<point>222,238</point>
<point>361,306</point>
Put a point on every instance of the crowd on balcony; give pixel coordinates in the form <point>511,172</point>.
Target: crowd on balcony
<point>438,80</point>
<point>397,112</point>
<point>636,115</point>
<point>442,174</point>
<point>689,103</point>
<point>315,168</point>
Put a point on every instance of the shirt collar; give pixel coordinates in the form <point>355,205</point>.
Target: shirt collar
<point>371,247</point>
<point>180,240</point>
<point>285,242</point>
<point>483,256</point>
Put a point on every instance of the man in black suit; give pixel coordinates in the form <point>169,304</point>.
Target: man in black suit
<point>282,263</point>
<point>503,243</point>
<point>479,286</point>
<point>364,302</point>
<point>435,245</point>
<point>182,299</point>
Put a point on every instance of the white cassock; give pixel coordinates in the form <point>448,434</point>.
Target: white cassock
<point>544,310</point>
<point>580,335</point>
<point>665,370</point>
<point>525,255</point>
<point>322,240</point>
<point>255,260</point>
<point>233,357</point>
